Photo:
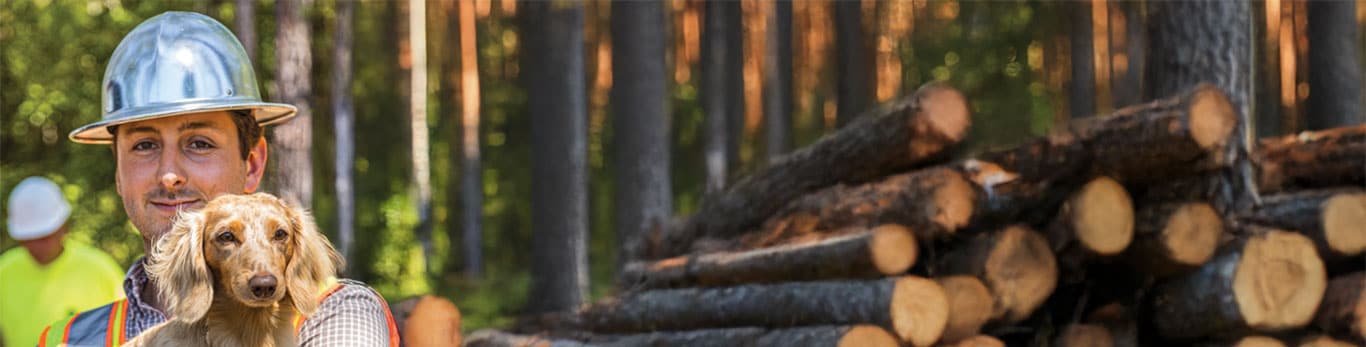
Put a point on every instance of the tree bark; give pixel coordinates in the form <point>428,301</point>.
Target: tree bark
<point>970,306</point>
<point>1015,263</point>
<point>641,125</point>
<point>244,24</point>
<point>1082,85</point>
<point>557,110</point>
<point>715,95</point>
<point>1268,280</point>
<point>1097,219</point>
<point>778,82</point>
<point>471,167</point>
<point>910,132</point>
<point>854,85</point>
<point>882,251</point>
<point>1313,159</point>
<point>1178,135</point>
<point>1335,98</point>
<point>291,141</point>
<point>913,308</point>
<point>1174,237</point>
<point>1334,218</point>
<point>344,123</point>
<point>1343,309</point>
<point>417,125</point>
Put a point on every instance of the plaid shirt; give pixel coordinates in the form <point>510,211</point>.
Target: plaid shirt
<point>352,316</point>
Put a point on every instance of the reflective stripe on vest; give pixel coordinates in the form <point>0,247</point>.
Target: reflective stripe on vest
<point>87,327</point>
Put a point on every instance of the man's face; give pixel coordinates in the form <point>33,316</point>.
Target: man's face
<point>181,162</point>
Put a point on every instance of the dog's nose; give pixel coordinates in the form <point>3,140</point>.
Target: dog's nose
<point>262,286</point>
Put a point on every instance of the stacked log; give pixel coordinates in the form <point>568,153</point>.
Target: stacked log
<point>1124,230</point>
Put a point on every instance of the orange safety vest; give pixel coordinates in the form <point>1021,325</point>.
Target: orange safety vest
<point>84,329</point>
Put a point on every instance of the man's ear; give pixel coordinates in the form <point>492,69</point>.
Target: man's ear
<point>256,165</point>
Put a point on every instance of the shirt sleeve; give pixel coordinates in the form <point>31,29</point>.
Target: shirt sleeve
<point>352,316</point>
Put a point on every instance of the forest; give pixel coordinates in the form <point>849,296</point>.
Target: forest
<point>513,156</point>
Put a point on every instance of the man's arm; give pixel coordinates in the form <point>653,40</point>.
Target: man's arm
<point>352,316</point>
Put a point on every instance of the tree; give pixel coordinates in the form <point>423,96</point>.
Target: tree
<point>717,98</point>
<point>291,141</point>
<point>471,179</point>
<point>640,123</point>
<point>417,122</point>
<point>1082,86</point>
<point>1334,69</point>
<point>778,80</point>
<point>557,109</point>
<point>853,88</point>
<point>1197,41</point>
<point>245,26</point>
<point>343,121</point>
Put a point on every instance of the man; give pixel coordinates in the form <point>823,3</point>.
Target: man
<point>48,278</point>
<point>183,114</point>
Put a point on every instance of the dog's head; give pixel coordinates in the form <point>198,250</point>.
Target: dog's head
<point>252,248</point>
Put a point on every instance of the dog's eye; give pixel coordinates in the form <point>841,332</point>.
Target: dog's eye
<point>280,234</point>
<point>226,237</point>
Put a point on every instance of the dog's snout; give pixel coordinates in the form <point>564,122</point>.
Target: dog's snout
<point>262,286</point>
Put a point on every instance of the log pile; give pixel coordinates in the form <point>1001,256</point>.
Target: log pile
<point>1111,231</point>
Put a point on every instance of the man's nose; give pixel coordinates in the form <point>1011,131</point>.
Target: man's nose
<point>171,180</point>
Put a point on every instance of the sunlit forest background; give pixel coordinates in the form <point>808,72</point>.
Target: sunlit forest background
<point>1024,66</point>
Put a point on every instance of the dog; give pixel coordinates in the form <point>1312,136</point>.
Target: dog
<point>237,272</point>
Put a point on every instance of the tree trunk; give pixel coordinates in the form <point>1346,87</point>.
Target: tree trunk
<point>1268,280</point>
<point>778,82</point>
<point>734,27</point>
<point>557,109</point>
<point>1178,135</point>
<point>640,124</point>
<point>909,132</point>
<point>244,24</point>
<point>853,86</point>
<point>1082,86</point>
<point>1191,42</point>
<point>1129,86</point>
<point>1015,263</point>
<point>291,141</point>
<point>1313,159</point>
<point>471,167</point>
<point>417,125</point>
<point>882,251</point>
<point>914,308</point>
<point>970,306</point>
<point>1335,98</point>
<point>715,95</point>
<point>1343,309</point>
<point>934,203</point>
<point>1175,237</point>
<point>1335,219</point>
<point>344,123</point>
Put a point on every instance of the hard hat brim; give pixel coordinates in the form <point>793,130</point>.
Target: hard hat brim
<point>266,113</point>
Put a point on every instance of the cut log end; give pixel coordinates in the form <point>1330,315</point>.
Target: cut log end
<point>944,110</point>
<point>955,200</point>
<point>1021,272</point>
<point>1258,341</point>
<point>893,249</point>
<point>970,306</point>
<point>867,335</point>
<point>1344,223</point>
<point>1279,281</point>
<point>1192,233</point>
<point>1212,118</point>
<point>920,310</point>
<point>1324,341</point>
<point>1085,335</point>
<point>1102,216</point>
<point>977,341</point>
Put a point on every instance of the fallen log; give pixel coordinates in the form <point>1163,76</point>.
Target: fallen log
<point>1321,159</point>
<point>933,203</point>
<point>850,336</point>
<point>1015,263</point>
<point>844,336</point>
<point>976,341</point>
<point>1084,335</point>
<point>1095,221</point>
<point>970,306</point>
<point>1178,135</point>
<point>1267,280</point>
<point>1021,181</point>
<point>1174,237</point>
<point>899,136</point>
<point>869,253</point>
<point>1335,218</point>
<point>495,338</point>
<point>1343,310</point>
<point>913,308</point>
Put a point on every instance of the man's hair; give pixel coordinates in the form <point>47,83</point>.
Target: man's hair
<point>248,132</point>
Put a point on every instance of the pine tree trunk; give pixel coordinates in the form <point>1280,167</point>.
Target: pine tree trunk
<point>291,142</point>
<point>853,95</point>
<point>557,108</point>
<point>417,125</point>
<point>471,167</point>
<point>715,95</point>
<point>778,82</point>
<point>1335,98</point>
<point>344,124</point>
<point>244,24</point>
<point>1082,86</point>
<point>643,196</point>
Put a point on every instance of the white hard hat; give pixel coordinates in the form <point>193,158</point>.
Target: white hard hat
<point>36,209</point>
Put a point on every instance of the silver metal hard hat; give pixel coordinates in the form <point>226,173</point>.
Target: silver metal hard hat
<point>173,64</point>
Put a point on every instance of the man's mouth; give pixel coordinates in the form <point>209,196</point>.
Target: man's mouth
<point>175,205</point>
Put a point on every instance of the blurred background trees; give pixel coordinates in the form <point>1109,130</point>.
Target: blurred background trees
<point>560,130</point>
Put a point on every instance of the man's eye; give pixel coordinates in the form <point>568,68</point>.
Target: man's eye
<point>200,144</point>
<point>144,146</point>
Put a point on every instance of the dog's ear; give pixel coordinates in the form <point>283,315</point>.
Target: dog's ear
<point>178,268</point>
<point>313,263</point>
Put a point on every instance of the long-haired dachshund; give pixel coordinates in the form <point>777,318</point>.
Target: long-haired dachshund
<point>237,272</point>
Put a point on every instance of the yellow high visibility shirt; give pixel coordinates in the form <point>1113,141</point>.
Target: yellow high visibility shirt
<point>33,296</point>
